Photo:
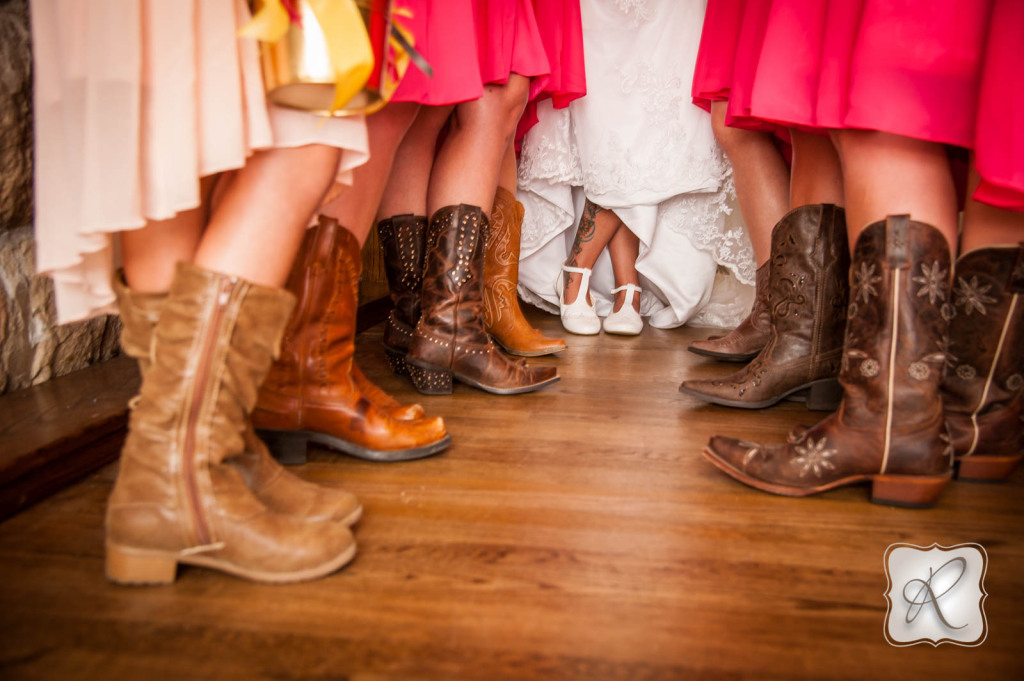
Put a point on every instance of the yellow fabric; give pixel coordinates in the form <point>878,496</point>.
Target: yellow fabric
<point>348,45</point>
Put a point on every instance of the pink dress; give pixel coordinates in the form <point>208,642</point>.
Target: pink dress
<point>561,31</point>
<point>508,40</point>
<point>727,59</point>
<point>945,71</point>
<point>134,102</point>
<point>443,32</point>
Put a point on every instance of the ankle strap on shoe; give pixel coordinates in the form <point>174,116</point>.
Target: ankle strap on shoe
<point>630,290</point>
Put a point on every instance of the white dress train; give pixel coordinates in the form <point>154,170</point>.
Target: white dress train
<point>637,145</point>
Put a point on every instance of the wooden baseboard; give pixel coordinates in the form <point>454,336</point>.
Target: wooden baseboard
<point>54,433</point>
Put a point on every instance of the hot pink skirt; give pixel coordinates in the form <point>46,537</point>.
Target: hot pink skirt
<point>942,71</point>
<point>727,58</point>
<point>561,31</point>
<point>508,40</point>
<point>444,32</point>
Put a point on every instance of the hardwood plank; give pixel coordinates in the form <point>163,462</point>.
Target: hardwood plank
<point>574,533</point>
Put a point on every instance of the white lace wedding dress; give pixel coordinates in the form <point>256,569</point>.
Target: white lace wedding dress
<point>637,145</point>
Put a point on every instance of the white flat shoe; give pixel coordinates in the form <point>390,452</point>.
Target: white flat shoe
<point>627,321</point>
<point>578,317</point>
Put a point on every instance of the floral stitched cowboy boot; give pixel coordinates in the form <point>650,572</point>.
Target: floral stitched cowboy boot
<point>808,295</point>
<point>743,343</point>
<point>890,427</point>
<point>984,382</point>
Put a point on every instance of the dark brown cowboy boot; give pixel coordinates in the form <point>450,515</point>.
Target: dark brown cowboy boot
<point>503,318</point>
<point>402,239</point>
<point>808,295</point>
<point>890,427</point>
<point>450,339</point>
<point>178,499</point>
<point>310,394</point>
<point>982,389</point>
<point>744,342</point>
<point>278,489</point>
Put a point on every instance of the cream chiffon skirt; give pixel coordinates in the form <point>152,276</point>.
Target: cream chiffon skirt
<point>135,100</point>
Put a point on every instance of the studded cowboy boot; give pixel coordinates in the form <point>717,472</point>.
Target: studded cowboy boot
<point>450,339</point>
<point>890,427</point>
<point>743,343</point>
<point>177,498</point>
<point>984,382</point>
<point>402,239</point>
<point>310,394</point>
<point>503,317</point>
<point>807,294</point>
<point>278,489</point>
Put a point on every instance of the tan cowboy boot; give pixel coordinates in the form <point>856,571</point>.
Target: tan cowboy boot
<point>984,382</point>
<point>743,343</point>
<point>270,482</point>
<point>310,394</point>
<point>177,498</point>
<point>450,340</point>
<point>890,428</point>
<point>503,318</point>
<point>808,292</point>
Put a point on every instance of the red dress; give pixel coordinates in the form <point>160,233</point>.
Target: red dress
<point>508,40</point>
<point>941,71</point>
<point>727,58</point>
<point>561,31</point>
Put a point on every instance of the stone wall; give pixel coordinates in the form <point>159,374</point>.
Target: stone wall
<point>32,348</point>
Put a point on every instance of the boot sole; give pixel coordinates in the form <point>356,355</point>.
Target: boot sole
<point>724,356</point>
<point>821,395</point>
<point>412,362</point>
<point>529,353</point>
<point>129,566</point>
<point>904,491</point>
<point>290,447</point>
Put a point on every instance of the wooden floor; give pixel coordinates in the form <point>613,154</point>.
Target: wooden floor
<point>574,533</point>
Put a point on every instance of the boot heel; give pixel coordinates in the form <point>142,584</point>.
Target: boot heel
<point>430,381</point>
<point>288,447</point>
<point>825,395</point>
<point>126,566</point>
<point>396,360</point>
<point>986,468</point>
<point>909,491</point>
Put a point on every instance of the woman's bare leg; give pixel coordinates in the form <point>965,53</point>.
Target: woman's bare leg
<point>597,228</point>
<point>624,249</point>
<point>406,190</point>
<point>356,208</point>
<point>468,165</point>
<point>887,174</point>
<point>761,177</point>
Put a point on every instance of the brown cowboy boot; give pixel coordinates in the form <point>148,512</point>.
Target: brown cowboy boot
<point>890,427</point>
<point>402,239</point>
<point>278,489</point>
<point>982,389</point>
<point>450,339</point>
<point>808,293</point>
<point>743,343</point>
<point>503,317</point>
<point>310,394</point>
<point>177,498</point>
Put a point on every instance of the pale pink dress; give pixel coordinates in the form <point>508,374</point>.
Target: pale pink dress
<point>135,100</point>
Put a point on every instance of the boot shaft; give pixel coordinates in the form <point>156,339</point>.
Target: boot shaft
<point>897,324</point>
<point>403,240</point>
<point>213,344</point>
<point>452,295</point>
<point>319,341</point>
<point>985,356</point>
<point>807,287</point>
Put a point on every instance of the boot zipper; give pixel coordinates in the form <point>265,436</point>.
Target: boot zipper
<point>202,530</point>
